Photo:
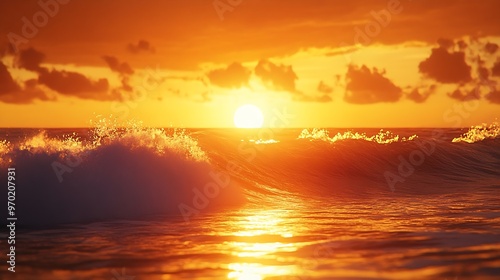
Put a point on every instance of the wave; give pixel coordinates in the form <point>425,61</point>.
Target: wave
<point>354,164</point>
<point>479,133</point>
<point>116,173</point>
<point>129,171</point>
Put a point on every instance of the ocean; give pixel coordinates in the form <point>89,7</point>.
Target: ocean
<point>134,202</point>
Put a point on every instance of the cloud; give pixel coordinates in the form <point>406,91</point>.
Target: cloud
<point>115,65</point>
<point>495,71</point>
<point>123,69</point>
<point>64,82</point>
<point>462,95</point>
<point>365,86</point>
<point>7,83</point>
<point>141,46</point>
<point>420,95</point>
<point>445,43</point>
<point>483,72</point>
<point>233,76</point>
<point>75,84</point>
<point>12,92</point>
<point>491,48</point>
<point>446,67</point>
<point>494,96</point>
<point>278,77</point>
<point>324,88</point>
<point>30,59</point>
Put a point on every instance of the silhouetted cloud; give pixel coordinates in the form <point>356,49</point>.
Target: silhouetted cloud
<point>445,43</point>
<point>420,95</point>
<point>463,95</point>
<point>278,77</point>
<point>30,59</point>
<point>123,69</point>
<point>495,71</point>
<point>493,96</point>
<point>483,72</point>
<point>66,82</point>
<point>12,92</point>
<point>365,86</point>
<point>115,65</point>
<point>75,84</point>
<point>141,46</point>
<point>233,76</point>
<point>446,67</point>
<point>491,48</point>
<point>7,83</point>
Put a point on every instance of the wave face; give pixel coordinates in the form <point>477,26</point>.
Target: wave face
<point>108,172</point>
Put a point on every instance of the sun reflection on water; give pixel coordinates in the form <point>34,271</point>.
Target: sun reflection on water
<point>264,238</point>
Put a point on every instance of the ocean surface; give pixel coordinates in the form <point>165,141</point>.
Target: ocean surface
<point>146,203</point>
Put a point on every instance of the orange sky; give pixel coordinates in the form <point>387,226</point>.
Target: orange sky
<point>386,63</point>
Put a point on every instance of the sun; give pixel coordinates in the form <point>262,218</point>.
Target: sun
<point>248,116</point>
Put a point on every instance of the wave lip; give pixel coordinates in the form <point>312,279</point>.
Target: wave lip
<point>479,133</point>
<point>380,138</point>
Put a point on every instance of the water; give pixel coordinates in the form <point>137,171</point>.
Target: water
<point>293,204</point>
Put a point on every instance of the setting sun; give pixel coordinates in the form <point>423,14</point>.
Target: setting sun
<point>248,116</point>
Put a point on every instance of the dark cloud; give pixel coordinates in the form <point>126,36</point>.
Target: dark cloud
<point>463,95</point>
<point>324,88</point>
<point>365,86</point>
<point>491,48</point>
<point>494,96</point>
<point>445,43</point>
<point>123,69</point>
<point>7,83</point>
<point>30,59</point>
<point>483,72</point>
<point>12,92</point>
<point>495,71</point>
<point>64,82</point>
<point>141,46</point>
<point>75,84</point>
<point>446,67</point>
<point>233,76</point>
<point>420,95</point>
<point>115,65</point>
<point>278,77</point>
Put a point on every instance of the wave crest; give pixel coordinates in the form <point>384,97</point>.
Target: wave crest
<point>479,133</point>
<point>382,137</point>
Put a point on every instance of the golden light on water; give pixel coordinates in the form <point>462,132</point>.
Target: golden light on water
<point>264,236</point>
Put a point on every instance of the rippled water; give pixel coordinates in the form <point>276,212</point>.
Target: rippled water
<point>444,237</point>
